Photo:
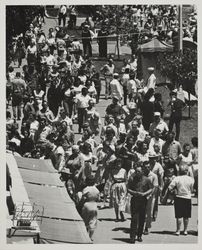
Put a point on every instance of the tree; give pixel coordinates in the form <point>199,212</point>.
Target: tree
<point>181,69</point>
<point>18,19</point>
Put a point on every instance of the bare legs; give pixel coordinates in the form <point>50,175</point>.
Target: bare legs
<point>178,224</point>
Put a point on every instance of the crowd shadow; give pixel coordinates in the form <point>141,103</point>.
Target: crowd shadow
<point>123,229</point>
<point>123,240</point>
<point>190,232</point>
<point>106,219</point>
<point>163,232</point>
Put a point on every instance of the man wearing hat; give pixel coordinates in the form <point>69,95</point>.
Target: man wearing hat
<point>151,81</point>
<point>158,124</point>
<point>87,36</point>
<point>116,91</point>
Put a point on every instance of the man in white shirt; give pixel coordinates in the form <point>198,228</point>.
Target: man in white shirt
<point>82,105</point>
<point>158,124</point>
<point>62,15</point>
<point>108,71</point>
<point>124,80</point>
<point>151,81</point>
<point>131,87</point>
<point>116,88</point>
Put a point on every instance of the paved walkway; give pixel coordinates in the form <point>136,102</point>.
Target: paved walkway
<point>110,232</point>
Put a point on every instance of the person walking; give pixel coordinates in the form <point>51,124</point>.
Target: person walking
<point>118,189</point>
<point>18,86</point>
<point>177,106</point>
<point>115,86</point>
<point>102,41</point>
<point>140,187</point>
<point>62,15</point>
<point>151,81</point>
<point>183,186</point>
<point>108,71</point>
<point>89,212</point>
<point>87,36</point>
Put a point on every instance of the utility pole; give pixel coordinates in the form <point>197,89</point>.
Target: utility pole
<point>117,32</point>
<point>180,33</point>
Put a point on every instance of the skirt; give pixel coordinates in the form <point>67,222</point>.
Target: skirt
<point>182,207</point>
<point>118,195</point>
<point>89,215</point>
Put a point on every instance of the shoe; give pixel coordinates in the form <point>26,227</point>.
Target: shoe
<point>132,239</point>
<point>117,220</point>
<point>185,233</point>
<point>177,233</point>
<point>139,238</point>
<point>146,231</point>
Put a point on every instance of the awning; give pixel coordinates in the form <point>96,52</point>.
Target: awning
<point>155,46</point>
<point>35,164</point>
<point>59,231</point>
<point>61,223</point>
<point>43,178</point>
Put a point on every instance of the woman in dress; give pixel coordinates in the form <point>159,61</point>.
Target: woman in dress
<point>89,213</point>
<point>118,189</point>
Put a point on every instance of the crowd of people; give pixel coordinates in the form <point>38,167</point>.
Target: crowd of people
<point>131,161</point>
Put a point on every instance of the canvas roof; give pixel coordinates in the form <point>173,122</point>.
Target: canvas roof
<point>155,46</point>
<point>61,223</point>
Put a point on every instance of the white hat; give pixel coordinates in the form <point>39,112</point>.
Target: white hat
<point>151,68</point>
<point>152,155</point>
<point>157,114</point>
<point>115,74</point>
<point>135,24</point>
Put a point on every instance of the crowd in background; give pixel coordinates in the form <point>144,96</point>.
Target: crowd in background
<point>132,159</point>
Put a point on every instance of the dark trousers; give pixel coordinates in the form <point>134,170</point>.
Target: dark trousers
<point>62,18</point>
<point>138,210</point>
<point>176,121</point>
<point>87,48</point>
<point>98,90</point>
<point>103,49</point>
<point>68,106</point>
<point>72,21</point>
<point>125,95</point>
<point>81,117</point>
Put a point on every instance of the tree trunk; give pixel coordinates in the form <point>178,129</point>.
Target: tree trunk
<point>189,115</point>
<point>117,44</point>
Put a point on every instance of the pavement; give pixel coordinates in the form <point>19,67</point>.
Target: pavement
<point>162,232</point>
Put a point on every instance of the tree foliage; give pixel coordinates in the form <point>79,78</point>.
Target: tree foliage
<point>181,69</point>
<point>18,19</point>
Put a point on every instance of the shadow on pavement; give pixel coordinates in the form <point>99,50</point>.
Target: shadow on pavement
<point>190,232</point>
<point>123,239</point>
<point>106,219</point>
<point>124,229</point>
<point>163,232</point>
